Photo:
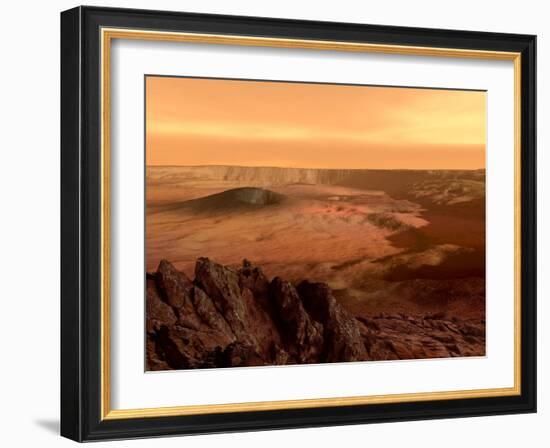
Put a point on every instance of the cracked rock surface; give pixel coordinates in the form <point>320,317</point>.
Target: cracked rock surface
<point>228,317</point>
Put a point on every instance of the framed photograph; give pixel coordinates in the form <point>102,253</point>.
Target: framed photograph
<point>273,223</point>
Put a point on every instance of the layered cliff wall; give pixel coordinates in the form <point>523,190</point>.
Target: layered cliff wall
<point>252,175</point>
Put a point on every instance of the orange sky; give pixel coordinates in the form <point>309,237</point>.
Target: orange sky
<point>193,121</point>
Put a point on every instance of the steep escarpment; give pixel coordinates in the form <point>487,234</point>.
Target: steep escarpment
<point>249,175</point>
<point>238,317</point>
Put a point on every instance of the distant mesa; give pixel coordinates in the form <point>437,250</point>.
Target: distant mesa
<point>236,198</point>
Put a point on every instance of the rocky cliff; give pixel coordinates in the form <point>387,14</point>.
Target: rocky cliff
<point>265,175</point>
<point>250,175</point>
<point>238,317</point>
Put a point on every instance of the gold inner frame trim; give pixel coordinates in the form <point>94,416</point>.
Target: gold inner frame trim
<point>107,35</point>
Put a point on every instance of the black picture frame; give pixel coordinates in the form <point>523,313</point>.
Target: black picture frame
<point>81,230</point>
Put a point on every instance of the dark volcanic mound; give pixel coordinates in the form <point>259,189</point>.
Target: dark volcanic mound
<point>236,198</point>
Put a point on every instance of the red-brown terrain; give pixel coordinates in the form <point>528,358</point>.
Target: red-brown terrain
<point>354,265</point>
<point>230,318</point>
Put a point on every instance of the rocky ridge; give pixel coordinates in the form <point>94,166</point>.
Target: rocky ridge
<point>238,317</point>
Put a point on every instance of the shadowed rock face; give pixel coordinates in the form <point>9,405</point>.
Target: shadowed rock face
<point>303,336</point>
<point>228,318</point>
<point>342,338</point>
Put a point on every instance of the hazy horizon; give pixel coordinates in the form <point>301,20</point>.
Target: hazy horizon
<point>197,122</point>
<point>313,168</point>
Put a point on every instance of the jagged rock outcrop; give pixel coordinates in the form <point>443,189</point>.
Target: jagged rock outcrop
<point>302,335</point>
<point>238,317</point>
<point>248,321</point>
<point>177,290</point>
<point>342,338</point>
